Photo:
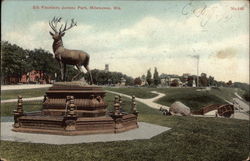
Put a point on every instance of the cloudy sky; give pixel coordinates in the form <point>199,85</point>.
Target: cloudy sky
<point>142,34</point>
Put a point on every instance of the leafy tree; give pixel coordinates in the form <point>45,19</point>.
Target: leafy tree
<point>102,77</point>
<point>190,81</point>
<point>14,62</point>
<point>43,62</point>
<point>156,77</point>
<point>70,73</point>
<point>211,81</point>
<point>129,80</point>
<point>137,81</point>
<point>174,83</point>
<point>221,84</point>
<point>149,77</point>
<point>203,80</point>
<point>246,96</point>
<point>230,83</point>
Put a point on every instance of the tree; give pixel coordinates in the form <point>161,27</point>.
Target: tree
<point>102,77</point>
<point>156,77</point>
<point>129,80</point>
<point>149,77</point>
<point>174,83</point>
<point>14,62</point>
<point>137,81</point>
<point>203,80</point>
<point>190,81</point>
<point>246,96</point>
<point>211,81</point>
<point>43,62</point>
<point>230,83</point>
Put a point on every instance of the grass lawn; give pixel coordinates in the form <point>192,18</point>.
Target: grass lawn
<point>190,139</point>
<point>11,94</point>
<point>7,108</point>
<point>189,96</point>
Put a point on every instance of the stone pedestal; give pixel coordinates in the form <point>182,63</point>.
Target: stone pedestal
<point>74,109</point>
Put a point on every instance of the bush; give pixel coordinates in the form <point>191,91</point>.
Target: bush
<point>246,96</point>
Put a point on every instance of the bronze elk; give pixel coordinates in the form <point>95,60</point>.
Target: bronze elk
<point>65,56</point>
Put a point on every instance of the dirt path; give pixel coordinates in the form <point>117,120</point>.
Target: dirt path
<point>24,99</point>
<point>24,86</point>
<point>150,101</point>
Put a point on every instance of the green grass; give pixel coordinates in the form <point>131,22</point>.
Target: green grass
<point>11,94</point>
<point>190,139</point>
<point>7,108</point>
<point>138,92</point>
<point>189,96</point>
<point>226,93</point>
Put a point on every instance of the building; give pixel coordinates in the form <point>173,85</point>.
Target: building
<point>185,75</point>
<point>123,82</point>
<point>106,68</point>
<point>176,82</point>
<point>34,77</point>
<point>165,81</point>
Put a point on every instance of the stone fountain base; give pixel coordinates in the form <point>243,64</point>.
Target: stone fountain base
<point>74,109</point>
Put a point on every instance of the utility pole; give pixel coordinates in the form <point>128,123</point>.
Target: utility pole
<point>198,57</point>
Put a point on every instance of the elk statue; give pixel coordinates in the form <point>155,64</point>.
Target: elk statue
<point>65,56</point>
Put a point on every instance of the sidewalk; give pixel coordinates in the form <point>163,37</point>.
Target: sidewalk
<point>145,131</point>
<point>24,99</point>
<point>24,86</point>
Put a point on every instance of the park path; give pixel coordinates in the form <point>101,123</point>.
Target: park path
<point>24,99</point>
<point>24,86</point>
<point>148,101</point>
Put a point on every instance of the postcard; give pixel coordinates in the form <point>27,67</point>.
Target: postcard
<point>159,63</point>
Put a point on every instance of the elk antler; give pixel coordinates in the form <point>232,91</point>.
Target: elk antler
<point>53,23</point>
<point>73,23</point>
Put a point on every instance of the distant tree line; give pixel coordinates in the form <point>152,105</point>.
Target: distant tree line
<point>102,77</point>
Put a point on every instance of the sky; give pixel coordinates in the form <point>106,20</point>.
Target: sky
<point>134,36</point>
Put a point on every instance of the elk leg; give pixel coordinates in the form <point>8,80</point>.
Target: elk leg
<point>61,69</point>
<point>80,71</point>
<point>64,72</point>
<point>90,75</point>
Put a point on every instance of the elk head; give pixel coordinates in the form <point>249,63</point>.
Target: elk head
<point>57,35</point>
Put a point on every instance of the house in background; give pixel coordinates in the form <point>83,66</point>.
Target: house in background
<point>123,82</point>
<point>35,77</point>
